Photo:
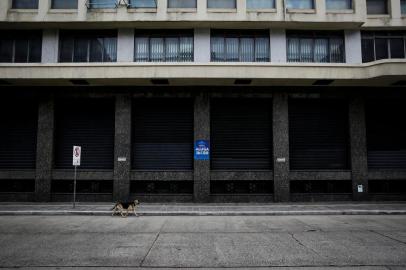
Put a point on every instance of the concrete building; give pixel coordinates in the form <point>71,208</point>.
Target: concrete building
<point>297,100</point>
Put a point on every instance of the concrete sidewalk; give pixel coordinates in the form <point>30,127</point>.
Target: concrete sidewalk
<point>190,209</point>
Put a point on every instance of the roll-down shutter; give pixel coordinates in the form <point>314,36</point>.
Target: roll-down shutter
<point>386,134</point>
<point>18,133</point>
<point>162,134</point>
<point>88,123</point>
<point>241,134</point>
<point>318,134</point>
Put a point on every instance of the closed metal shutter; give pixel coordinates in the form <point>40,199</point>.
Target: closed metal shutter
<point>162,134</point>
<point>88,123</point>
<point>18,133</point>
<point>386,134</point>
<point>241,134</point>
<point>318,134</point>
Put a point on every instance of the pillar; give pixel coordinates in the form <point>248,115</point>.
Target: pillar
<point>353,53</point>
<point>202,45</point>
<point>45,139</point>
<point>201,175</point>
<point>125,45</point>
<point>359,165</point>
<point>281,147</point>
<point>50,46</point>
<point>278,45</point>
<point>122,148</point>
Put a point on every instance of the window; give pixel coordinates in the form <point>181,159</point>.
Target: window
<point>102,3</point>
<point>338,4</point>
<point>20,47</point>
<point>25,4</point>
<point>377,7</point>
<point>221,4</point>
<point>64,4</point>
<point>319,47</point>
<point>171,46</point>
<point>143,3</point>
<point>88,46</point>
<point>383,45</point>
<point>260,4</point>
<point>300,4</point>
<point>239,46</point>
<point>182,4</point>
<point>403,6</point>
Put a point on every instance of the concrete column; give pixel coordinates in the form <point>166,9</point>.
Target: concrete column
<point>45,143</point>
<point>50,43</point>
<point>281,147</point>
<point>122,148</point>
<point>353,53</point>
<point>43,7</point>
<point>125,45</point>
<point>359,165</point>
<point>201,175</point>
<point>395,9</point>
<point>278,45</point>
<point>202,45</point>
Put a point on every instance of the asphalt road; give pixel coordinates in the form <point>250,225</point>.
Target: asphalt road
<point>309,242</point>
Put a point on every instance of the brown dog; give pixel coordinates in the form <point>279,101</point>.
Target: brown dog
<point>123,208</point>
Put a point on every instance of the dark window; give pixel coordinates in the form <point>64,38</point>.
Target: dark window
<point>403,6</point>
<point>25,4</point>
<point>143,3</point>
<point>19,185</point>
<point>168,46</point>
<point>240,46</point>
<point>241,187</point>
<point>89,125</point>
<point>162,132</point>
<point>386,134</point>
<point>338,4</point>
<point>20,46</point>
<point>387,186</point>
<point>88,46</point>
<point>377,7</point>
<point>318,134</point>
<point>221,4</point>
<point>161,187</point>
<point>319,47</point>
<point>382,45</point>
<point>260,4</point>
<point>64,4</point>
<point>102,3</point>
<point>82,186</point>
<point>321,186</point>
<point>241,134</point>
<point>300,4</point>
<point>182,4</point>
<point>18,133</point>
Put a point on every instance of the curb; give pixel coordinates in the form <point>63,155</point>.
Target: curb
<point>204,213</point>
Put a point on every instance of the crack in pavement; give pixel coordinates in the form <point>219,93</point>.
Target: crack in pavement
<point>153,243</point>
<point>303,245</point>
<point>384,235</point>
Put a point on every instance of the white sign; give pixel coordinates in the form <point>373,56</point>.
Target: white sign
<point>281,160</point>
<point>77,152</point>
<point>121,159</point>
<point>360,188</point>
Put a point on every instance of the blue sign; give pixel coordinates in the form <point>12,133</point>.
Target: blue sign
<point>202,150</point>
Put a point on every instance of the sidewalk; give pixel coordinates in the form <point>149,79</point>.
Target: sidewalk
<point>227,209</point>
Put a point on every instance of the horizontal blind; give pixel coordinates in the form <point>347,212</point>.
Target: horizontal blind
<point>241,134</point>
<point>318,134</point>
<point>162,132</point>
<point>88,123</point>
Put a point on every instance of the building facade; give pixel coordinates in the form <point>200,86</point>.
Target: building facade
<point>297,100</point>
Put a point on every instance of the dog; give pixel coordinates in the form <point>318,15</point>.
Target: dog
<point>123,208</point>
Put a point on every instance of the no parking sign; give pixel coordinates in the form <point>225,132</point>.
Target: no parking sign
<point>77,152</point>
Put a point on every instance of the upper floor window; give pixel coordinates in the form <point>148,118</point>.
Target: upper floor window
<point>240,46</point>
<point>64,4</point>
<point>300,4</point>
<point>88,46</point>
<point>377,7</point>
<point>221,4</point>
<point>102,3</point>
<point>383,45</point>
<point>338,4</point>
<point>25,4</point>
<point>260,4</point>
<point>20,46</point>
<point>142,3</point>
<point>163,46</point>
<point>403,6</point>
<point>182,4</point>
<point>318,46</point>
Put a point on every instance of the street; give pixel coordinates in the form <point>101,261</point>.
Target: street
<point>309,242</point>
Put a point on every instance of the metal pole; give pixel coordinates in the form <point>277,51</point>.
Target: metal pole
<point>74,189</point>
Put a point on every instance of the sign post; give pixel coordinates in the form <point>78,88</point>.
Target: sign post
<point>77,152</point>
